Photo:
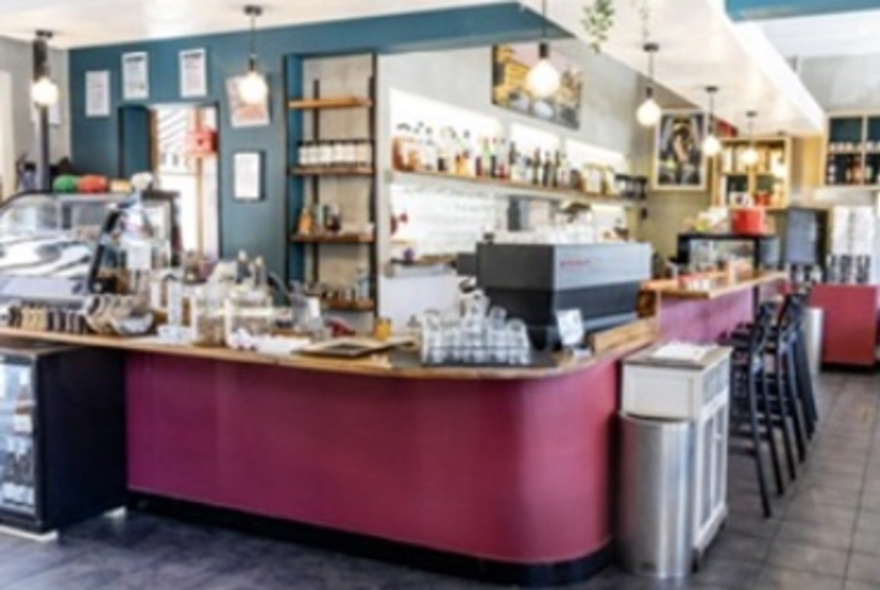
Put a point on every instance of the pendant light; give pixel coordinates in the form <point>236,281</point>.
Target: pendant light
<point>44,91</point>
<point>252,87</point>
<point>750,156</point>
<point>649,112</point>
<point>711,145</point>
<point>543,79</point>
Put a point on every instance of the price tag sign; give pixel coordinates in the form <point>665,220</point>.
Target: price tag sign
<point>138,256</point>
<point>570,324</point>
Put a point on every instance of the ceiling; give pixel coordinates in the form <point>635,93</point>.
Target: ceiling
<point>79,23</point>
<point>849,33</point>
<point>739,59</point>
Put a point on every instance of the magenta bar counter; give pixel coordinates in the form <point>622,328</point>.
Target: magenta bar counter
<point>504,476</point>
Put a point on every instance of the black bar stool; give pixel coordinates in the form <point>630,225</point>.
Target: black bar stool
<point>751,414</point>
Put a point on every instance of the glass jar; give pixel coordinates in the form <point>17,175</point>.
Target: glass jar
<point>207,327</point>
<point>249,316</point>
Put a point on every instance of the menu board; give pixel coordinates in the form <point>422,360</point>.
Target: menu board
<point>510,69</point>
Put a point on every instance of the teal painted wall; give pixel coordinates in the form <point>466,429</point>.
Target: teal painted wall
<point>262,227</point>
<point>766,9</point>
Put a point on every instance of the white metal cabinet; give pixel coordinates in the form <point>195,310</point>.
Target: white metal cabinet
<point>668,389</point>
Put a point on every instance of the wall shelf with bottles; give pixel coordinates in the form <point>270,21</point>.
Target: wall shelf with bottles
<point>852,150</point>
<point>766,182</point>
<point>508,188</point>
<point>332,217</point>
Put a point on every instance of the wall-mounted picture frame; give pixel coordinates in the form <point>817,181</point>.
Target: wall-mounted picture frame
<point>247,169</point>
<point>136,76</point>
<point>193,73</point>
<point>242,114</point>
<point>510,68</point>
<point>678,162</point>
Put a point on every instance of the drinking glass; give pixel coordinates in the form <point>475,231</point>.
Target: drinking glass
<point>519,344</point>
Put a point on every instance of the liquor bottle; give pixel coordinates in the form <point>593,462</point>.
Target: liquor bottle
<point>429,151</point>
<point>414,149</point>
<point>443,151</point>
<point>562,172</point>
<point>467,156</point>
<point>400,147</point>
<point>512,167</point>
<point>537,167</point>
<point>494,158</point>
<point>547,172</point>
<point>831,175</point>
<point>487,157</point>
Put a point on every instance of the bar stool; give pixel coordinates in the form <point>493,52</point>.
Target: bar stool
<point>750,407</point>
<point>790,379</point>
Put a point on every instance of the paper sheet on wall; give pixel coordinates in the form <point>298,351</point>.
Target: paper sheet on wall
<point>98,94</point>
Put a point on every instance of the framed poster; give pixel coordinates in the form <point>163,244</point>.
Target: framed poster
<point>510,68</point>
<point>193,73</point>
<point>98,94</point>
<point>242,114</point>
<point>678,161</point>
<point>135,76</point>
<point>248,176</point>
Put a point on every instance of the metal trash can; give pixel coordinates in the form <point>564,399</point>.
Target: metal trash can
<point>814,324</point>
<point>654,516</point>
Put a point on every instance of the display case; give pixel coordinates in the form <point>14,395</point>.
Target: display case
<point>698,251</point>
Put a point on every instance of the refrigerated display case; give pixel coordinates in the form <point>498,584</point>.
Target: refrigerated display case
<point>61,247</point>
<point>697,250</point>
<point>62,434</point>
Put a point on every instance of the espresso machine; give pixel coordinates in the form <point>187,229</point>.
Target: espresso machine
<point>535,281</point>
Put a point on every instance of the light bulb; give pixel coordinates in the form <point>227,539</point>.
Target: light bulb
<point>750,156</point>
<point>649,113</point>
<point>711,145</point>
<point>44,92</point>
<point>543,79</point>
<point>253,88</point>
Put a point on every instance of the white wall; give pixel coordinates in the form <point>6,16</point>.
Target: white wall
<point>845,83</point>
<point>464,78</point>
<point>16,58</point>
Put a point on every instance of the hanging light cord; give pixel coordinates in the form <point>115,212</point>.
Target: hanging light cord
<point>253,12</point>
<point>651,49</point>
<point>544,20</point>
<point>752,115</point>
<point>712,90</point>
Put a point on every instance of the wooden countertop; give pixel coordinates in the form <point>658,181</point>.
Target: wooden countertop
<point>380,365</point>
<point>720,286</point>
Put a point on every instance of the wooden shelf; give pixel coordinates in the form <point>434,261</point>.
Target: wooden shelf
<point>352,306</point>
<point>756,140</point>
<point>518,188</point>
<point>334,102</point>
<point>333,171</point>
<point>845,153</point>
<point>332,239</point>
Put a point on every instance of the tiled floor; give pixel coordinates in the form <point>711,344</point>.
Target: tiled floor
<point>826,535</point>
